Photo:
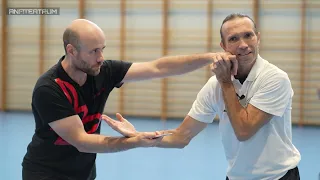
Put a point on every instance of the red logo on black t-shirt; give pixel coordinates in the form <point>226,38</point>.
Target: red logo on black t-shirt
<point>72,95</point>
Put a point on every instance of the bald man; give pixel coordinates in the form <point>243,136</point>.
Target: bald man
<point>69,98</point>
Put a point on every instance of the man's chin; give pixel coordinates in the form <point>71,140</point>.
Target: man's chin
<point>249,57</point>
<point>96,73</point>
<point>93,73</point>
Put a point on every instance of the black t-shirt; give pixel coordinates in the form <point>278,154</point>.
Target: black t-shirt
<point>57,96</point>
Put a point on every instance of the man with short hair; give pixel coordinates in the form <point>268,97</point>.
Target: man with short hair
<point>253,105</point>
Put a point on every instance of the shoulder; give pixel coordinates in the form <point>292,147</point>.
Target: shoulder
<point>115,66</point>
<point>212,81</point>
<point>272,73</point>
<point>273,80</point>
<point>47,82</point>
<point>112,62</point>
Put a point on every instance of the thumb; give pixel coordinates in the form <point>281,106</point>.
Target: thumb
<point>119,117</point>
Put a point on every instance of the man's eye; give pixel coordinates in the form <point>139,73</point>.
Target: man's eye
<point>232,39</point>
<point>248,35</point>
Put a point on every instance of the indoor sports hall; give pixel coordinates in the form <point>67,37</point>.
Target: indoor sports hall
<point>142,30</point>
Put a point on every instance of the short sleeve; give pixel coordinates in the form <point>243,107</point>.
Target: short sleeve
<point>51,104</point>
<point>274,95</point>
<point>203,108</point>
<point>118,69</point>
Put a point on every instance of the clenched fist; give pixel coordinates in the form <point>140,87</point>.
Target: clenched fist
<point>224,65</point>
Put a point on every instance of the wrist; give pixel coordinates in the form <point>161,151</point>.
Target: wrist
<point>208,57</point>
<point>226,84</point>
<point>134,142</point>
<point>134,134</point>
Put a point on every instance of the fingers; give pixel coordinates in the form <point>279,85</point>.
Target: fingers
<point>149,139</point>
<point>225,60</point>
<point>119,117</point>
<point>106,118</point>
<point>218,60</point>
<point>234,63</point>
<point>109,121</point>
<point>156,141</point>
<point>158,133</point>
<point>148,135</point>
<point>151,135</point>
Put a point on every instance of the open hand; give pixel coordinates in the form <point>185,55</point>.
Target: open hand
<point>122,126</point>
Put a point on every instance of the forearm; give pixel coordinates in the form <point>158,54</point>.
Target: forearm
<point>176,65</point>
<point>237,114</point>
<point>93,143</point>
<point>176,140</point>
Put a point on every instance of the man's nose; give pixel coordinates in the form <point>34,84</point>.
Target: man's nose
<point>243,44</point>
<point>100,57</point>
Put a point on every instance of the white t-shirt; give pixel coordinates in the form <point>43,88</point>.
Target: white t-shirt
<point>268,154</point>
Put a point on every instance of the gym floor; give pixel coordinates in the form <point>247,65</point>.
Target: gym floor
<point>202,159</point>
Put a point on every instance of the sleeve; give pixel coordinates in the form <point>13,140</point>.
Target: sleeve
<point>274,95</point>
<point>118,69</point>
<point>51,104</point>
<point>203,108</point>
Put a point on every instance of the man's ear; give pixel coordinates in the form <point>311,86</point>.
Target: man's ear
<point>71,50</point>
<point>258,37</point>
<point>222,46</point>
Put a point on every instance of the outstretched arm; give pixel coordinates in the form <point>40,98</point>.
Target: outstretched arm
<point>170,66</point>
<point>180,137</point>
<point>71,130</point>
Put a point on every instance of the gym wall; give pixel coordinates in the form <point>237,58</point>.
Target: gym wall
<point>141,30</point>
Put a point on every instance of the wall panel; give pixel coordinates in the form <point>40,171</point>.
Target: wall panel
<point>23,54</point>
<point>141,30</point>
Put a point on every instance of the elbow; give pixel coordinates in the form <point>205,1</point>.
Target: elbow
<point>80,148</point>
<point>182,145</point>
<point>185,142</point>
<point>243,136</point>
<point>180,139</point>
<point>245,130</point>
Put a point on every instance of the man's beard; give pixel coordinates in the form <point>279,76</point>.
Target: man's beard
<point>86,68</point>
